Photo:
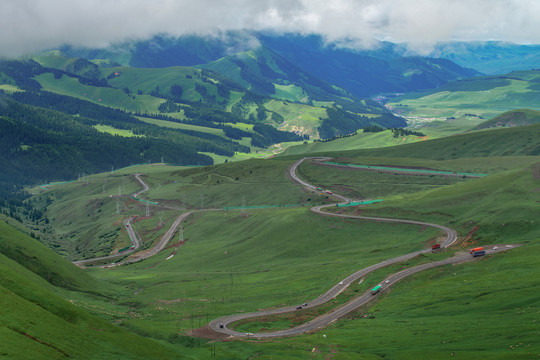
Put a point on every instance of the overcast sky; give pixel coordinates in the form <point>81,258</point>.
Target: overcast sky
<point>30,25</point>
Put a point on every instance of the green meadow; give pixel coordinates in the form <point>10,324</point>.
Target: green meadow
<point>113,131</point>
<point>234,262</point>
<point>361,140</point>
<point>299,117</point>
<point>265,255</point>
<point>39,320</point>
<point>485,96</point>
<point>112,97</point>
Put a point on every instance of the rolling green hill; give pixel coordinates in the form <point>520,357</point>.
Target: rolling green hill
<point>519,141</point>
<point>266,73</point>
<point>386,68</point>
<point>235,261</point>
<point>519,117</point>
<point>39,320</point>
<point>477,98</point>
<point>194,95</point>
<point>257,245</point>
<point>359,141</point>
<point>435,301</point>
<point>83,219</point>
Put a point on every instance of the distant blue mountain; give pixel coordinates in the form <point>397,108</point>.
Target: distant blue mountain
<point>363,73</point>
<point>490,57</point>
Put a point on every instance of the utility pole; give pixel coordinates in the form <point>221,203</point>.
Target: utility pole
<point>147,210</point>
<point>181,234</point>
<point>117,207</point>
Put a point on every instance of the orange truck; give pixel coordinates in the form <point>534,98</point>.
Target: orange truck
<point>472,251</point>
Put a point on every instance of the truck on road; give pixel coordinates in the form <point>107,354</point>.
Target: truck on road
<point>473,250</point>
<point>376,289</point>
<point>479,253</point>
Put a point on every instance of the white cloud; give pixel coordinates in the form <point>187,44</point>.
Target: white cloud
<point>29,25</point>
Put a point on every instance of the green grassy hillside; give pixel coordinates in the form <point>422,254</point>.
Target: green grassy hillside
<point>265,258</point>
<point>38,320</point>
<point>234,262</point>
<point>86,215</point>
<point>267,73</point>
<point>519,141</point>
<point>485,96</point>
<point>359,141</point>
<point>238,88</point>
<point>251,258</point>
<point>519,117</point>
<point>274,253</point>
<point>115,98</point>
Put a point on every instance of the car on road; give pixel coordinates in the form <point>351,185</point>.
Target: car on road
<point>298,307</point>
<point>304,304</point>
<point>221,326</point>
<point>386,281</point>
<point>340,283</point>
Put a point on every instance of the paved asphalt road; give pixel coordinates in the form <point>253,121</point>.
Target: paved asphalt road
<point>220,325</point>
<point>136,243</point>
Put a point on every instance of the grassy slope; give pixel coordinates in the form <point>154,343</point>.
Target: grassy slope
<point>524,140</point>
<point>115,98</point>
<point>298,117</point>
<point>360,141</point>
<point>415,319</point>
<point>175,125</point>
<point>470,309</point>
<point>519,117</point>
<point>433,309</point>
<point>54,59</point>
<point>86,224</point>
<point>113,131</point>
<point>83,215</point>
<point>38,323</point>
<point>483,96</point>
<point>145,81</point>
<point>271,253</point>
<point>266,258</point>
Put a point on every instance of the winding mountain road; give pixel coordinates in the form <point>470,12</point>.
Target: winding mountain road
<point>135,241</point>
<point>221,325</point>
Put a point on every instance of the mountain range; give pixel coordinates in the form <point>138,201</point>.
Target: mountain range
<point>363,73</point>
